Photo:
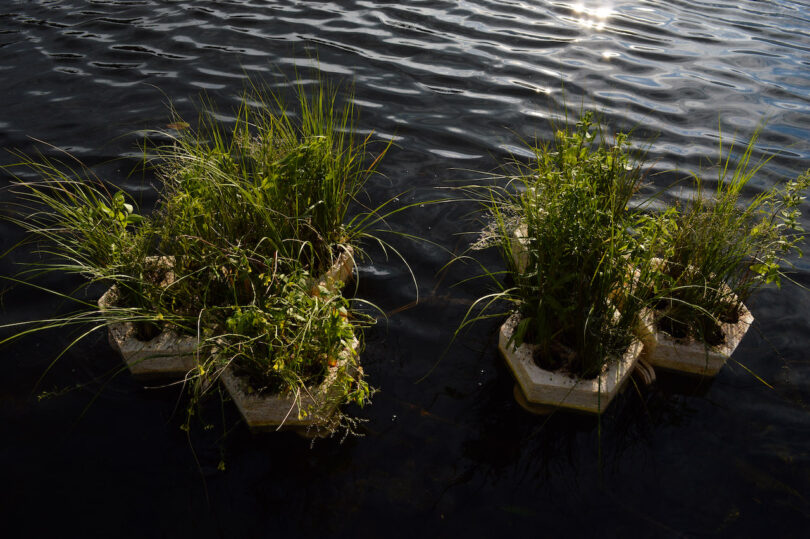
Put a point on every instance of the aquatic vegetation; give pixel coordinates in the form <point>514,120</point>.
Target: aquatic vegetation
<point>283,185</point>
<point>280,189</point>
<point>591,268</point>
<point>718,250</point>
<point>295,344</point>
<point>249,216</point>
<point>577,262</point>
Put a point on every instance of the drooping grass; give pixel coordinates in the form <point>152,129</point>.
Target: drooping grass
<point>79,224</point>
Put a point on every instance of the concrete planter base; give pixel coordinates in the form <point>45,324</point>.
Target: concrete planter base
<point>310,414</point>
<point>171,355</point>
<point>690,356</point>
<point>168,355</point>
<point>549,388</point>
<point>536,409</point>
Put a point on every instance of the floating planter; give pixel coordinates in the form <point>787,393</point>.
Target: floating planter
<point>249,278</point>
<point>644,329</point>
<point>167,355</point>
<point>308,414</point>
<point>314,331</point>
<point>690,356</point>
<point>565,224</point>
<point>543,388</point>
<point>171,355</point>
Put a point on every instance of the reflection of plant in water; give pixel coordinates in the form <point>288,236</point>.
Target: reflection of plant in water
<point>507,440</point>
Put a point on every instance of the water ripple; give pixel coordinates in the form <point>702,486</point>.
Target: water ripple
<point>632,59</point>
<point>455,85</point>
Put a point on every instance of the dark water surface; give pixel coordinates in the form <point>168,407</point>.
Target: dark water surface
<point>457,84</point>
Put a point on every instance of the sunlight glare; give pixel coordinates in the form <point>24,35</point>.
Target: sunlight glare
<point>593,17</point>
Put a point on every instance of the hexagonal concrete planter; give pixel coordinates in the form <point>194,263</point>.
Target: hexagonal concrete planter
<point>691,356</point>
<point>548,388</point>
<point>169,354</point>
<point>311,414</point>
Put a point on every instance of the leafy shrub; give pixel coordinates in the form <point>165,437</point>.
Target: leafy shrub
<point>289,339</point>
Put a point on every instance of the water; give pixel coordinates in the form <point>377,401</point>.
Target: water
<point>457,85</point>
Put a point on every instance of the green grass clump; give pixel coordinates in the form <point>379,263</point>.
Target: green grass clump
<point>280,184</point>
<point>573,270</point>
<point>266,187</point>
<point>718,249</point>
<point>87,226</point>
<point>82,225</point>
<point>249,212</point>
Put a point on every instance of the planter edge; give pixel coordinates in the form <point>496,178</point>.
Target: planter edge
<point>543,387</point>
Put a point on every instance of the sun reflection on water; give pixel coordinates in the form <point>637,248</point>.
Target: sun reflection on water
<point>593,16</point>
